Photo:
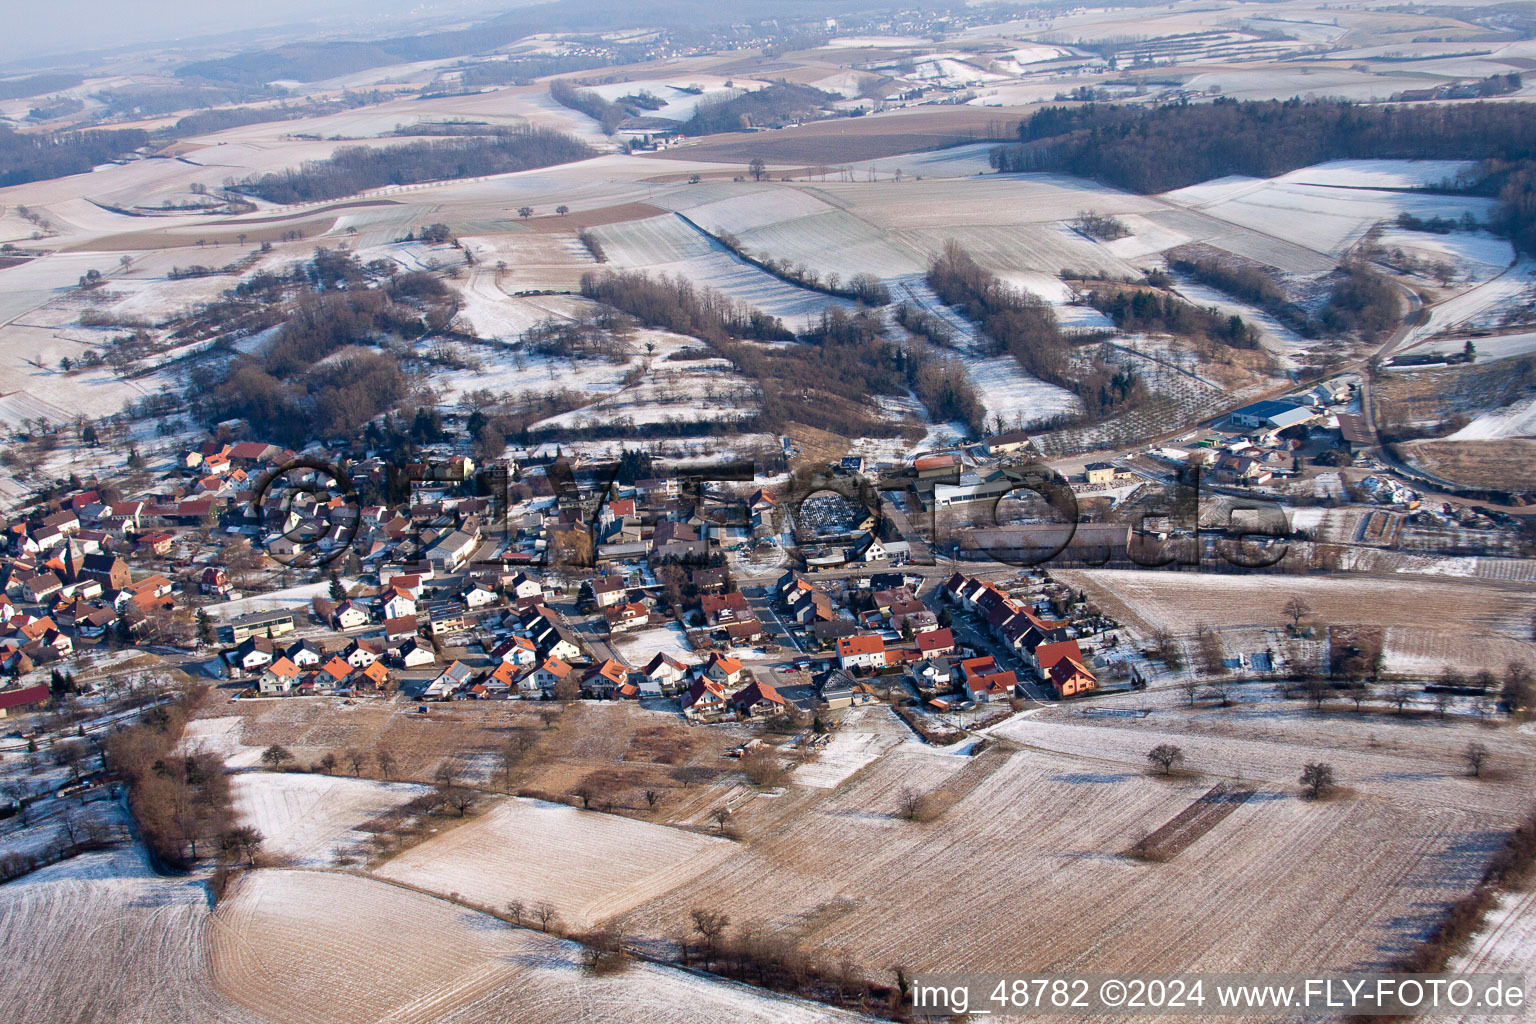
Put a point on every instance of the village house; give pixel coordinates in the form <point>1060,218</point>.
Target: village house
<point>515,650</point>
<point>704,700</point>
<point>251,655</point>
<point>982,680</point>
<point>550,674</point>
<point>722,669</point>
<point>21,697</point>
<point>601,680</point>
<point>757,698</point>
<point>608,591</point>
<point>397,603</point>
<point>1063,665</point>
<point>722,608</point>
<point>935,643</point>
<point>861,651</point>
<point>452,678</point>
<point>479,595</point>
<point>625,617</point>
<point>666,673</point>
<point>400,628</point>
<point>523,585</point>
<point>451,550</point>
<point>360,653</point>
<point>415,653</point>
<point>267,623</point>
<point>349,614</point>
<point>304,653</point>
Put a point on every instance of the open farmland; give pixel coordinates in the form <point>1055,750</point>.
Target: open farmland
<point>1279,883</point>
<point>589,866</point>
<point>288,944</point>
<point>1508,462</point>
<point>835,142</point>
<point>310,820</point>
<point>1153,599</point>
<point>1506,942</point>
<point>103,938</point>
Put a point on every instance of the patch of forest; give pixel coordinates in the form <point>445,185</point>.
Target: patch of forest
<point>37,85</point>
<point>38,157</point>
<point>204,122</point>
<point>354,169</point>
<point>608,113</point>
<point>1155,149</point>
<point>825,381</point>
<point>335,363</point>
<point>769,107</point>
<point>1140,309</point>
<point>1025,326</point>
<point>680,306</point>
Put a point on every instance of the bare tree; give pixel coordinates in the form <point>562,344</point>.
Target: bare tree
<point>1208,645</point>
<point>652,797</point>
<point>17,791</point>
<point>709,924</point>
<point>1191,688</point>
<point>692,774</point>
<point>1517,692</point>
<point>1317,777</point>
<point>586,791</point>
<point>1476,757</point>
<point>244,841</point>
<point>517,910</point>
<point>1297,609</point>
<point>546,913</point>
<point>1165,756</point>
<point>358,759</point>
<point>1442,703</point>
<point>1166,649</point>
<point>720,816</point>
<point>602,950</point>
<point>276,756</point>
<point>907,800</point>
<point>460,798</point>
<point>1317,691</point>
<point>1400,696</point>
<point>386,761</point>
<point>328,763</point>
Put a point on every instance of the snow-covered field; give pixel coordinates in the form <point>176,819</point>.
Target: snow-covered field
<point>590,866</point>
<point>639,648</point>
<point>1325,218</point>
<point>102,938</point>
<point>293,598</point>
<point>1517,420</point>
<point>1021,400</point>
<point>311,820</point>
<point>1481,306</point>
<point>298,946</point>
<point>852,747</point>
<point>1506,942</point>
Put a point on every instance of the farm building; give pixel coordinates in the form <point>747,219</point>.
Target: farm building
<point>1271,414</point>
<point>271,623</point>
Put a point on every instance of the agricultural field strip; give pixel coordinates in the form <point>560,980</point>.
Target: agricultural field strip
<point>453,964</point>
<point>590,866</point>
<point>839,875</point>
